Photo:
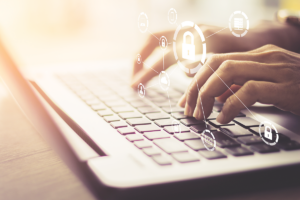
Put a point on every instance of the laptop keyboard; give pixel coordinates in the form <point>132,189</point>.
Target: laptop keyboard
<point>147,122</point>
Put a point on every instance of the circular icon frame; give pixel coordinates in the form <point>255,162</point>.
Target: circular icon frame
<point>143,93</point>
<point>204,139</point>
<point>172,10</point>
<point>164,86</point>
<point>262,124</point>
<point>201,63</point>
<point>163,40</point>
<point>247,27</point>
<point>143,24</point>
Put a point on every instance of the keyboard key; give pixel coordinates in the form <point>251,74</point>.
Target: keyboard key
<point>147,128</point>
<point>110,103</point>
<point>263,148</point>
<point>125,131</point>
<point>212,154</point>
<point>119,124</point>
<point>134,137</point>
<point>142,144</point>
<point>172,110</point>
<point>138,104</point>
<point>250,140</point>
<point>180,115</point>
<point>186,136</point>
<point>191,121</point>
<point>185,157</point>
<point>156,135</point>
<point>170,145</point>
<point>122,109</point>
<point>213,115</point>
<point>290,145</point>
<point>162,160</point>
<point>164,122</point>
<point>246,122</point>
<point>93,102</point>
<point>236,131</point>
<point>130,115</point>
<point>223,140</point>
<point>151,151</point>
<point>195,144</point>
<point>241,115</point>
<point>145,110</point>
<point>156,116</point>
<point>217,108</point>
<point>283,138</point>
<point>165,104</point>
<point>157,98</point>
<point>138,121</point>
<point>183,128</point>
<point>98,107</point>
<point>111,118</point>
<point>201,127</point>
<point>107,112</point>
<point>217,124</point>
<point>239,151</point>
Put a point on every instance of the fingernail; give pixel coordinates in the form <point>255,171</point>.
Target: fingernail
<point>180,102</point>
<point>197,113</point>
<point>221,118</point>
<point>188,110</point>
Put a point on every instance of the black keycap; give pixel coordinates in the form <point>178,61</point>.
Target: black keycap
<point>185,157</point>
<point>240,115</point>
<point>236,131</point>
<point>156,135</point>
<point>170,145</point>
<point>147,128</point>
<point>212,154</point>
<point>183,128</point>
<point>142,144</point>
<point>201,127</point>
<point>134,137</point>
<point>122,109</point>
<point>290,145</point>
<point>191,121</point>
<point>213,116</point>
<point>98,107</point>
<point>164,122</point>
<point>155,116</point>
<point>130,115</point>
<point>250,140</point>
<point>246,122</point>
<point>263,148</point>
<point>173,109</point>
<point>111,118</point>
<point>107,112</point>
<point>162,160</point>
<point>146,110</point>
<point>239,151</point>
<point>127,130</point>
<point>151,151</point>
<point>119,124</point>
<point>283,138</point>
<point>217,124</point>
<point>186,136</point>
<point>180,115</point>
<point>138,121</point>
<point>195,144</point>
<point>223,140</point>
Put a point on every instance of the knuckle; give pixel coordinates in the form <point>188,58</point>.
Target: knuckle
<point>230,102</point>
<point>277,55</point>
<point>251,88</point>
<point>227,66</point>
<point>270,46</point>
<point>214,58</point>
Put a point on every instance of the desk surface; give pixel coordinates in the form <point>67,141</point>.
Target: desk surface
<point>29,169</point>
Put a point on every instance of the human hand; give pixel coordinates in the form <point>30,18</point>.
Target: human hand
<point>269,75</point>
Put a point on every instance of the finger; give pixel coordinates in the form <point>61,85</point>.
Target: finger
<point>229,73</point>
<point>251,92</point>
<point>222,98</point>
<point>148,73</point>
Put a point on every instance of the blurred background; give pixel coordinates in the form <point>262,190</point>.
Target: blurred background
<point>57,31</point>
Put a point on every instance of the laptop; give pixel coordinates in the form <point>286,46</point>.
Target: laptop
<point>123,146</point>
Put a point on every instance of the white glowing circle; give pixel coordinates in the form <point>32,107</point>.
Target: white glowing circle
<point>141,90</point>
<point>238,24</point>
<point>172,16</point>
<point>208,140</point>
<point>163,42</point>
<point>164,80</point>
<point>143,22</point>
<point>264,138</point>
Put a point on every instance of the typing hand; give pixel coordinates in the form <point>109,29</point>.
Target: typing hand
<point>269,75</point>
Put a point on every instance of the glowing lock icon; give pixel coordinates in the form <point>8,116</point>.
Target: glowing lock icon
<point>141,91</point>
<point>163,43</point>
<point>188,50</point>
<point>268,133</point>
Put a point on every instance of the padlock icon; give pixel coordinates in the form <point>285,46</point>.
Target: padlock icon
<point>163,43</point>
<point>139,59</point>
<point>141,91</point>
<point>268,133</point>
<point>188,50</point>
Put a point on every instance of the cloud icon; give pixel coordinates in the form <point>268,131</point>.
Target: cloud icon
<point>164,80</point>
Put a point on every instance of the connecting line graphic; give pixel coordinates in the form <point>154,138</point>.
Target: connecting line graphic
<point>163,60</point>
<point>153,35</point>
<point>216,32</point>
<point>169,102</point>
<point>201,102</point>
<point>233,93</point>
<point>150,67</point>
